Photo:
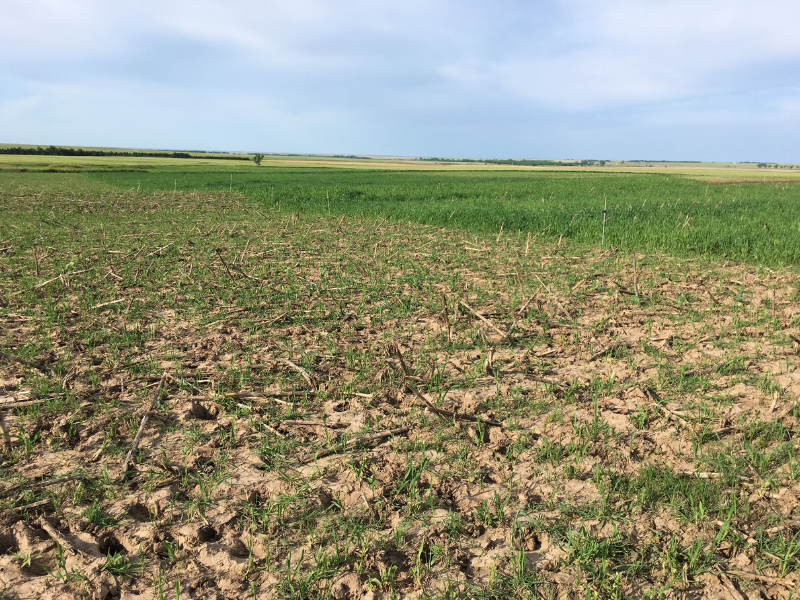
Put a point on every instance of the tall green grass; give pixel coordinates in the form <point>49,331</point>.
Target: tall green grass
<point>752,222</point>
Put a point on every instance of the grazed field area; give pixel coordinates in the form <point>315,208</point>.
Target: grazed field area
<point>349,407</point>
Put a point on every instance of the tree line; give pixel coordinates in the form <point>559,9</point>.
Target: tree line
<point>520,162</point>
<point>60,151</point>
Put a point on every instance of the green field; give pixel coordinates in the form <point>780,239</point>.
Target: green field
<point>347,377</point>
<point>648,212</point>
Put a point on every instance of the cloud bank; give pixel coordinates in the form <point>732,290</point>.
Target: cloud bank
<point>694,80</point>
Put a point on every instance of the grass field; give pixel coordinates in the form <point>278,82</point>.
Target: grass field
<point>389,397</point>
<point>678,214</point>
<point>713,172</point>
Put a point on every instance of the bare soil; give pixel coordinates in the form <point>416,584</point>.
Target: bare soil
<point>574,422</point>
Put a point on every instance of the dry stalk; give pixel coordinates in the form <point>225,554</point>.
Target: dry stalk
<point>449,413</point>
<point>359,440</point>
<point>447,319</point>
<point>747,538</point>
<point>488,364</point>
<point>602,352</point>
<point>178,383</point>
<point>158,250</point>
<point>672,415</point>
<point>785,525</point>
<point>554,382</point>
<point>368,505</point>
<point>65,544</point>
<point>786,410</point>
<point>107,303</point>
<point>577,286</point>
<point>243,274</point>
<point>772,406</point>
<point>5,434</point>
<point>135,445</point>
<point>439,411</point>
<point>482,318</point>
<point>274,396</point>
<point>44,283</point>
<point>271,429</point>
<point>22,361</point>
<point>789,583</point>
<point>37,504</point>
<point>302,372</point>
<point>732,591</point>
<point>520,314</point>
<point>306,423</point>
<point>702,475</point>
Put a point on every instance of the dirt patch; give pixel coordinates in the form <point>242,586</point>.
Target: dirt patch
<point>361,409</point>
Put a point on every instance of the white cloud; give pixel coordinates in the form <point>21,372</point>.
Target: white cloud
<point>625,52</point>
<point>580,55</point>
<point>310,74</point>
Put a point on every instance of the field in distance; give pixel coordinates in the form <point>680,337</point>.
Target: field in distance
<point>715,214</point>
<point>372,383</point>
<point>709,171</point>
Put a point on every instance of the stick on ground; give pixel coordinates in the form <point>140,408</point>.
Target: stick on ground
<point>39,484</point>
<point>32,505</point>
<point>22,361</point>
<point>243,274</point>
<point>449,413</point>
<point>519,316</point>
<point>439,411</point>
<point>611,348</point>
<point>554,382</point>
<point>302,372</point>
<point>5,434</point>
<point>732,591</point>
<point>291,394</point>
<point>763,578</point>
<point>482,318</point>
<point>65,544</point>
<point>12,405</point>
<point>447,319</point>
<point>359,440</point>
<point>129,458</point>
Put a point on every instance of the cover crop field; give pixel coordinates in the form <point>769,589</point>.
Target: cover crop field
<point>755,222</point>
<point>306,382</point>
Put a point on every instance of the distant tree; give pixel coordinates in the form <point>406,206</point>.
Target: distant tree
<point>258,158</point>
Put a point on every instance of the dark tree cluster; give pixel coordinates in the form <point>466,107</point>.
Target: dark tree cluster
<point>521,162</point>
<point>61,151</point>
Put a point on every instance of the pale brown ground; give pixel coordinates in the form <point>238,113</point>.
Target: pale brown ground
<point>581,302</point>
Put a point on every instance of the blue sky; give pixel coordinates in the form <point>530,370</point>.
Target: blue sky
<point>617,79</point>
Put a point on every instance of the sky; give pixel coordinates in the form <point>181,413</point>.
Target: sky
<point>715,80</point>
